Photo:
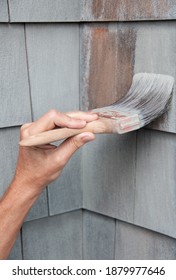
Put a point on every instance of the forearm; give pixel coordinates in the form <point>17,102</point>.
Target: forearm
<point>14,207</point>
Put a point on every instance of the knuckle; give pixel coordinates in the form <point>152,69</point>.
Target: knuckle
<point>52,113</point>
<point>24,132</point>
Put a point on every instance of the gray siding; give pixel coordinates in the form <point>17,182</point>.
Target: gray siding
<point>57,237</point>
<point>98,237</point>
<point>16,253</point>
<point>86,58</point>
<point>4,17</point>
<point>136,243</point>
<point>14,90</point>
<point>90,10</point>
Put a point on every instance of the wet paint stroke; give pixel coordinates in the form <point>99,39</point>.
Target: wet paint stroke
<point>107,63</point>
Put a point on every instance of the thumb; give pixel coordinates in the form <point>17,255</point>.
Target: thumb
<point>71,145</point>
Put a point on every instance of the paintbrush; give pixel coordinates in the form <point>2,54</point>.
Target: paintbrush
<point>148,98</point>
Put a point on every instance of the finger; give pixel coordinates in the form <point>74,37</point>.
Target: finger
<point>52,119</point>
<point>64,152</point>
<point>86,116</point>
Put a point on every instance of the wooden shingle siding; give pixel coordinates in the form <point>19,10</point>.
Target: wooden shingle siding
<point>44,10</point>
<point>9,138</point>
<point>65,194</point>
<point>91,10</point>
<point>136,243</point>
<point>53,57</point>
<point>107,61</point>
<point>98,237</point>
<point>40,209</point>
<point>14,89</point>
<point>155,196</point>
<point>109,176</point>
<point>4,17</point>
<point>58,237</point>
<point>16,253</point>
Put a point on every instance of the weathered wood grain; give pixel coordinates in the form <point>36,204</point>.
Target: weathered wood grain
<point>58,237</point>
<point>128,10</point>
<point>109,176</point>
<point>98,236</point>
<point>44,10</point>
<point>107,60</point>
<point>53,56</point>
<point>16,252</point>
<point>155,53</point>
<point>4,17</point>
<point>91,10</point>
<point>9,139</point>
<point>14,89</point>
<point>155,196</point>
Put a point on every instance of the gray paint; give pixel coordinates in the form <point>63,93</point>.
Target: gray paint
<point>9,138</point>
<point>14,90</point>
<point>65,194</point>
<point>98,236</point>
<point>155,53</point>
<point>53,56</point>
<point>155,196</point>
<point>44,10</point>
<point>16,252</point>
<point>135,243</point>
<point>4,17</point>
<point>90,10</point>
<point>39,209</point>
<point>109,175</point>
<point>58,237</point>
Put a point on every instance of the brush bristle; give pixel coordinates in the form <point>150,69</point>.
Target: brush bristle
<point>149,96</point>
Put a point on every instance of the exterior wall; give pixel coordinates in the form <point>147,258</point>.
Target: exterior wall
<point>116,198</point>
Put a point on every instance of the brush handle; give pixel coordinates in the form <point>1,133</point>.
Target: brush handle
<point>101,125</point>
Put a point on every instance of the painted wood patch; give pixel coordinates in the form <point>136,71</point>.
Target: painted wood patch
<point>136,243</point>
<point>109,176</point>
<point>155,196</point>
<point>4,17</point>
<point>91,10</point>
<point>14,89</point>
<point>98,237</point>
<point>44,10</point>
<point>53,55</point>
<point>58,237</point>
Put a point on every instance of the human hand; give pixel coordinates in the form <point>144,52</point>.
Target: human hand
<point>38,166</point>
